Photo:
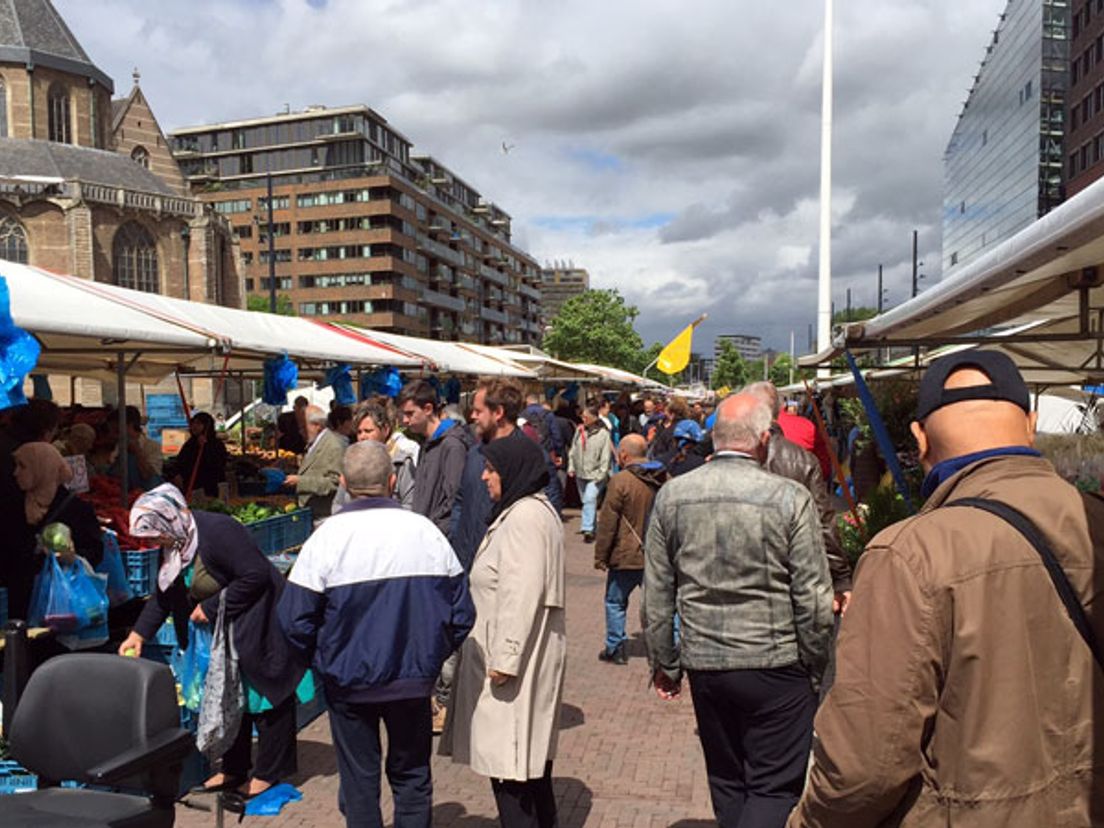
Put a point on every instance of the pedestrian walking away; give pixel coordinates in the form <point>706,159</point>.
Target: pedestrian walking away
<point>738,552</point>
<point>619,544</point>
<point>966,692</point>
<point>377,567</point>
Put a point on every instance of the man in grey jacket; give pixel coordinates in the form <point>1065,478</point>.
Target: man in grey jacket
<point>441,460</point>
<point>739,552</point>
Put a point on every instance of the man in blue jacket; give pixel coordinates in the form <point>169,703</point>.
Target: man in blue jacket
<point>379,600</point>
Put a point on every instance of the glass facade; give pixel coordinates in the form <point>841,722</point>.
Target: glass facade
<point>1004,165</point>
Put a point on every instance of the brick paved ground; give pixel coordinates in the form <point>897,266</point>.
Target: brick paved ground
<point>626,759</point>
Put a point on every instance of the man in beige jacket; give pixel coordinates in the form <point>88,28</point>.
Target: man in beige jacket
<point>964,694</point>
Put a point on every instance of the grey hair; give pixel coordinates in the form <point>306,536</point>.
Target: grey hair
<point>767,393</point>
<point>316,414</point>
<point>367,468</point>
<point>742,433</point>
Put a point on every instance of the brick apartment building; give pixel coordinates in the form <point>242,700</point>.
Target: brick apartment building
<point>1085,117</point>
<point>559,283</point>
<point>364,230</point>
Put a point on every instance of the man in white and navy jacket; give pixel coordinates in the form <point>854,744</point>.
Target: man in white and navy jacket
<point>379,600</point>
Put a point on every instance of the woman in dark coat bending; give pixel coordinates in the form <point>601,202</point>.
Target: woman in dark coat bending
<point>202,555</point>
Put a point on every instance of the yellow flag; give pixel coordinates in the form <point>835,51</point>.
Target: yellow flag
<point>676,355</point>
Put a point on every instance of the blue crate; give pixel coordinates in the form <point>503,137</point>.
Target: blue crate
<point>282,532</point>
<point>15,779</point>
<point>165,407</point>
<point>3,608</point>
<point>141,569</point>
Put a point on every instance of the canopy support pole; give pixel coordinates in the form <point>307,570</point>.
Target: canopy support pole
<point>124,463</point>
<point>241,414</point>
<point>881,434</point>
<point>837,467</point>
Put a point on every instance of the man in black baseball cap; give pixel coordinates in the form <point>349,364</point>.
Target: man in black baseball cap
<point>963,693</point>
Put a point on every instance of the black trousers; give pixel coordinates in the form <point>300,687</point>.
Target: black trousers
<point>276,754</point>
<point>756,729</point>
<point>356,736</point>
<point>528,804</point>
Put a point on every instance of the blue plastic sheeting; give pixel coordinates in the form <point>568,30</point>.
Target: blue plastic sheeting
<point>18,353</point>
<point>881,434</point>
<point>281,375</point>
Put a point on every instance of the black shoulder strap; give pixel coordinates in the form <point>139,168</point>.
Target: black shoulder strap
<point>1057,575</point>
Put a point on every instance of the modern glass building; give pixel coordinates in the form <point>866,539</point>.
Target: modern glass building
<point>1004,165</point>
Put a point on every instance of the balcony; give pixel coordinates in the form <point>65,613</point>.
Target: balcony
<point>494,275</point>
<point>529,291</point>
<point>491,315</point>
<point>442,300</point>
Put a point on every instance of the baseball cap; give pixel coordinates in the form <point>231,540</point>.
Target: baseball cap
<point>1005,382</point>
<point>688,430</point>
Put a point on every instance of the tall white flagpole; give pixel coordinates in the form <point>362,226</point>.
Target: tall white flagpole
<point>824,282</point>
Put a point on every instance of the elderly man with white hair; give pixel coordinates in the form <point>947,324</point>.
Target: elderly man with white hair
<point>738,552</point>
<point>320,469</point>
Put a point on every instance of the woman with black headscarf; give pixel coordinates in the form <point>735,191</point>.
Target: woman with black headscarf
<point>503,716</point>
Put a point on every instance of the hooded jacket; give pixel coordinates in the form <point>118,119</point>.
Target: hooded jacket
<point>440,468</point>
<point>623,518</point>
<point>964,696</point>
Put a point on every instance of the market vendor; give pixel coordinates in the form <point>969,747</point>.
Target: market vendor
<point>202,555</point>
<point>77,440</point>
<point>143,455</point>
<point>320,470</point>
<point>202,459</point>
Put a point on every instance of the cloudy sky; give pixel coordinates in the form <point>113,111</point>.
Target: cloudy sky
<point>672,149</point>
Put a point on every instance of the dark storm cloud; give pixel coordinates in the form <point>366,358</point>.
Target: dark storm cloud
<point>710,112</point>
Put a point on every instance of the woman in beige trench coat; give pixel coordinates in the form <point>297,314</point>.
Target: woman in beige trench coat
<point>504,711</point>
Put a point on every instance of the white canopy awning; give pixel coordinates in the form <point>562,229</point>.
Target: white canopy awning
<point>1050,275</point>
<point>83,332</point>
<point>618,377</point>
<point>548,368</point>
<point>446,357</point>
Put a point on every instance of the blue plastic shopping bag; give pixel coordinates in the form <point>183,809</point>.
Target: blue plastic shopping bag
<point>118,587</point>
<point>192,663</point>
<point>89,590</point>
<point>72,601</point>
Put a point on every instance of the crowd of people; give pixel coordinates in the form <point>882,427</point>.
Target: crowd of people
<point>964,691</point>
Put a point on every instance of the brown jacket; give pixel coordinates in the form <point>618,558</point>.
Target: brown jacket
<point>964,696</point>
<point>787,459</point>
<point>619,543</point>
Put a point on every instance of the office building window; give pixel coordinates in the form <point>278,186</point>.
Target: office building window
<point>58,121</point>
<point>13,240</point>
<point>135,258</point>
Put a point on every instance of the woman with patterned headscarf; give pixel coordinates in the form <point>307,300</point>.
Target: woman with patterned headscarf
<point>202,555</point>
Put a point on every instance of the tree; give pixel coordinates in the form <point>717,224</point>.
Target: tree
<point>597,326</point>
<point>730,370</point>
<point>857,315</point>
<point>284,307</point>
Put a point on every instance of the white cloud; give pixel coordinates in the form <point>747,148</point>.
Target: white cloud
<point>622,113</point>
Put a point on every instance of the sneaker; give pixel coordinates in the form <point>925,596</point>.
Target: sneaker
<point>440,713</point>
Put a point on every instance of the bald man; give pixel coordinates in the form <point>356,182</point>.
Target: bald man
<point>619,544</point>
<point>738,551</point>
<point>964,694</point>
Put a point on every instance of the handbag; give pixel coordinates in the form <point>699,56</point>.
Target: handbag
<point>223,705</point>
<point>1062,586</point>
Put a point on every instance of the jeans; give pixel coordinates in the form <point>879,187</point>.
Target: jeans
<point>619,586</point>
<point>589,490</point>
<point>356,737</point>
<point>756,728</point>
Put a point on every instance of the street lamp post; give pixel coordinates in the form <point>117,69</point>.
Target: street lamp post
<point>186,237</point>
<point>271,249</point>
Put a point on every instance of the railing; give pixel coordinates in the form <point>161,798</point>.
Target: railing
<point>441,300</point>
<point>136,199</point>
<point>492,315</point>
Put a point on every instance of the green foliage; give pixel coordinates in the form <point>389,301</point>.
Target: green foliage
<point>857,315</point>
<point>261,303</point>
<point>597,326</point>
<point>730,370</point>
<point>883,508</point>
